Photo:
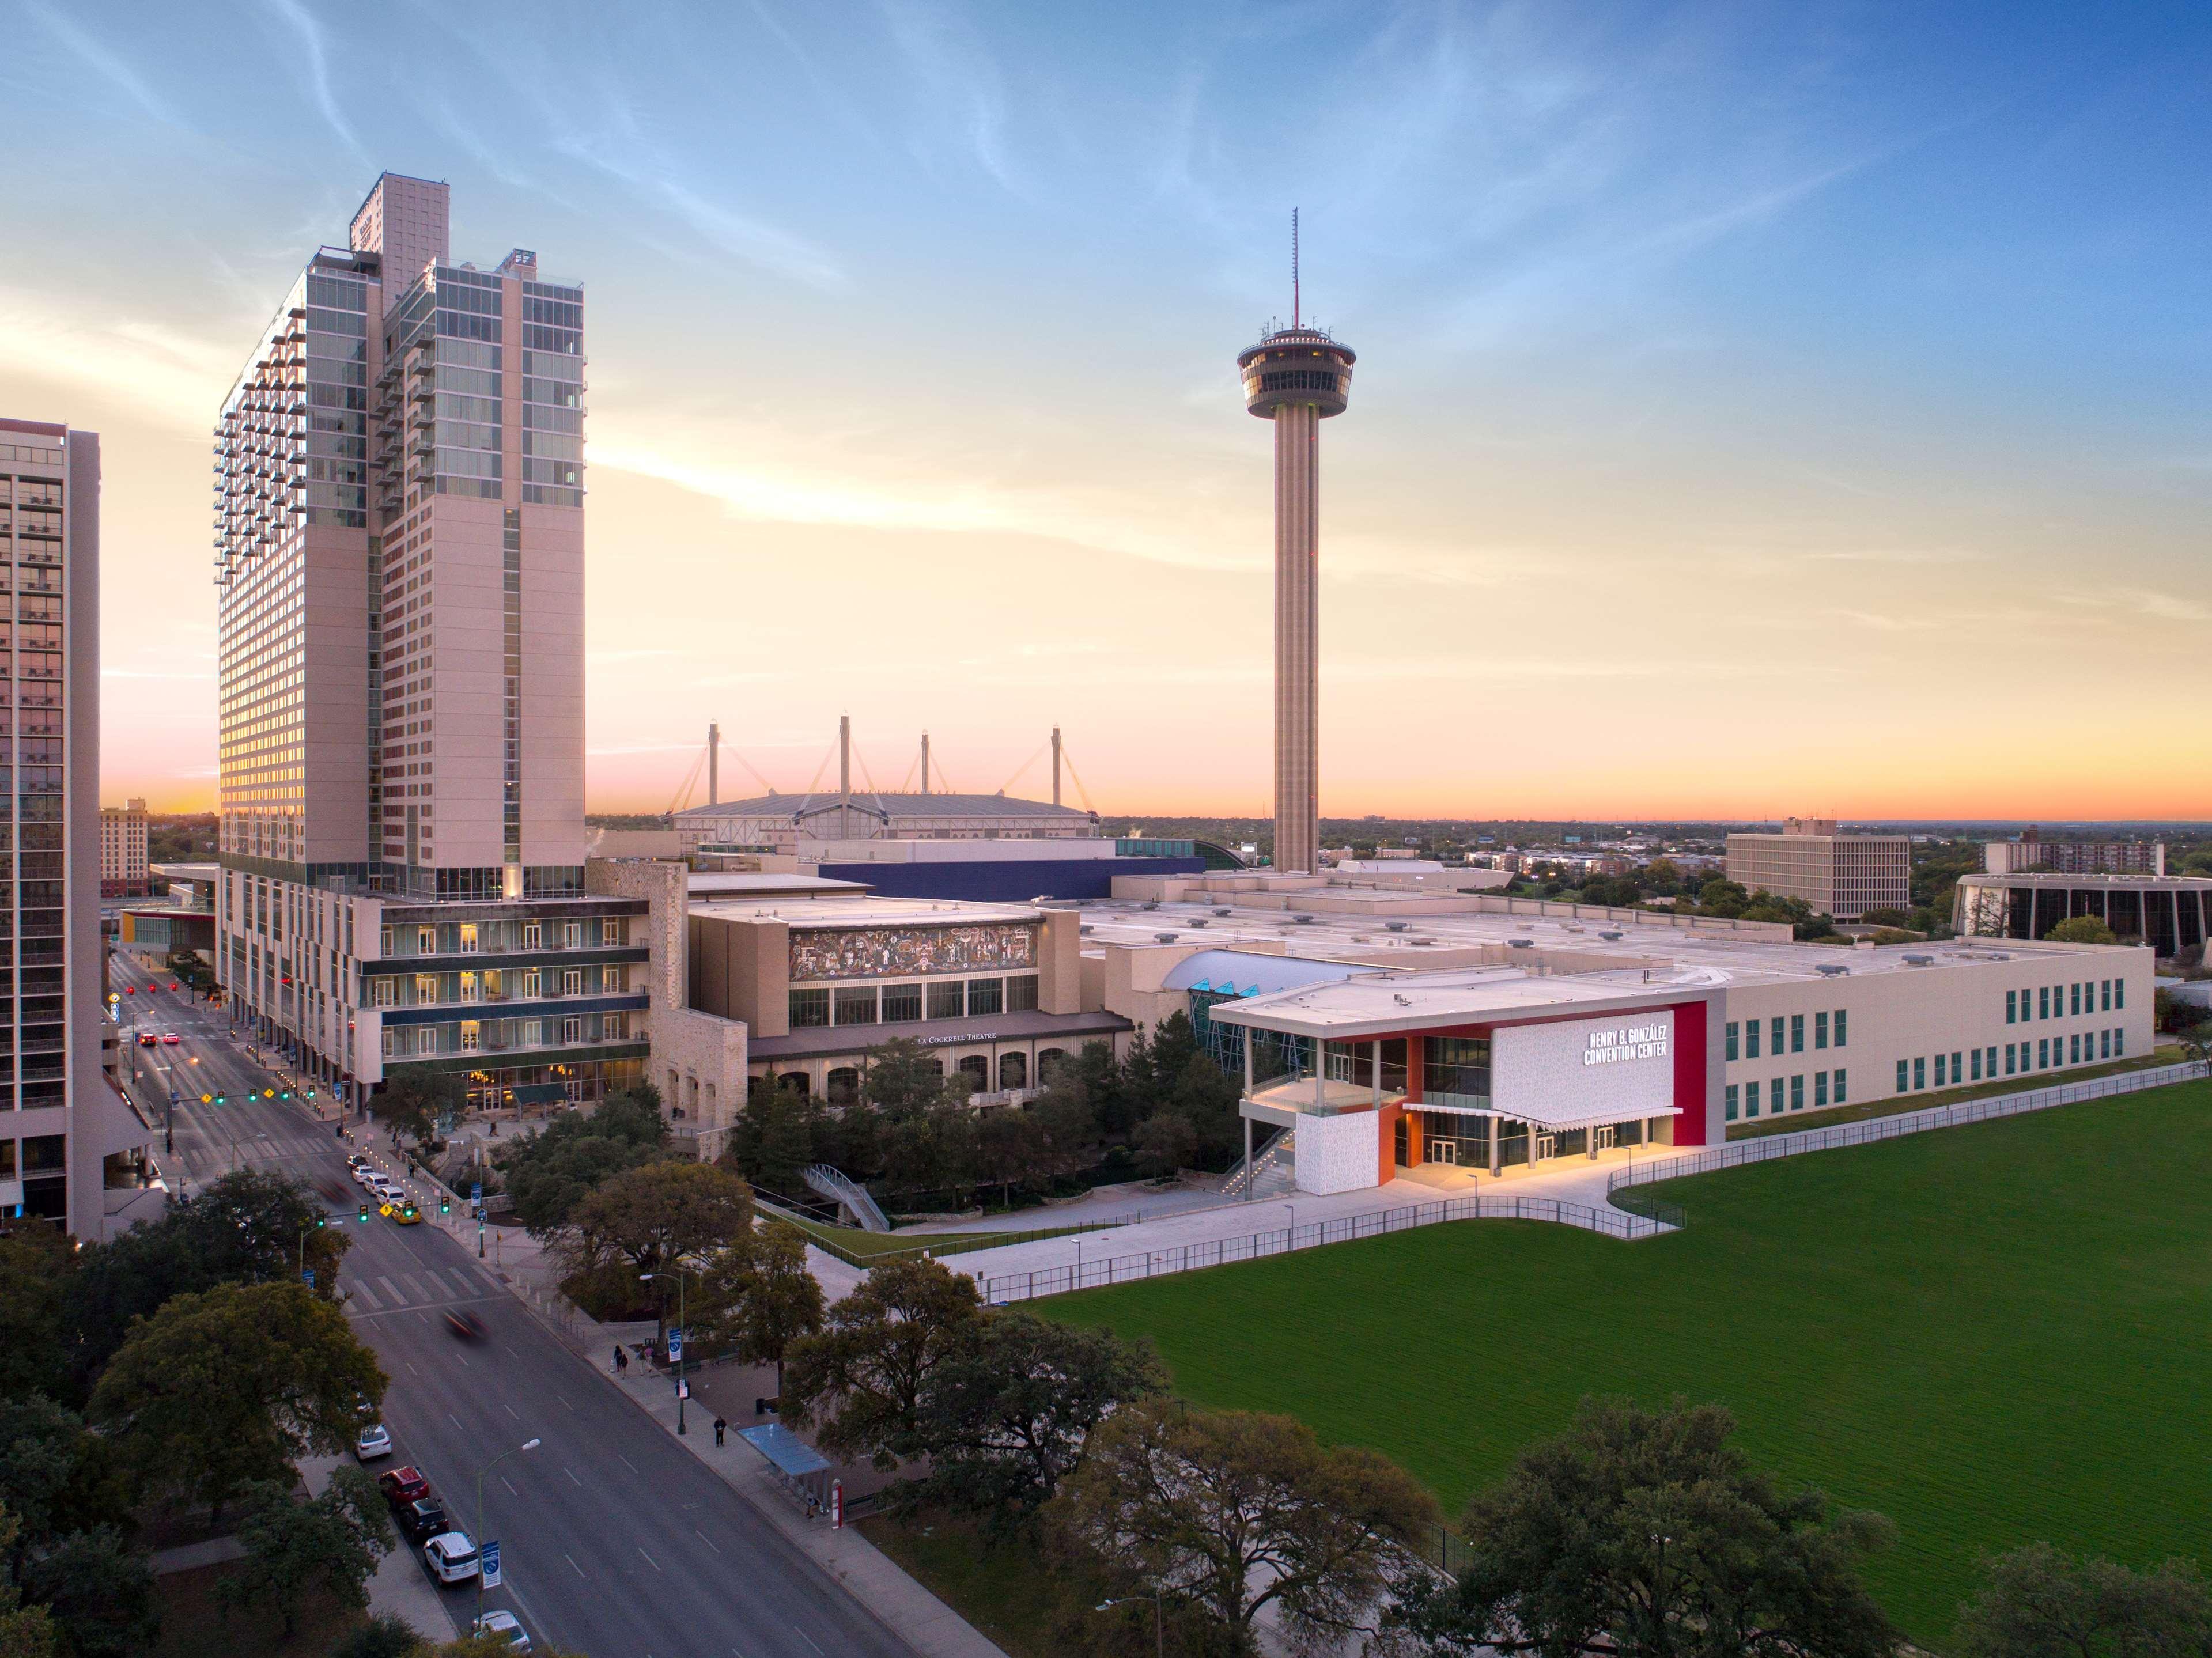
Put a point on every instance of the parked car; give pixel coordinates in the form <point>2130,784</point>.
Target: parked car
<point>356,1163</point>
<point>375,1441</point>
<point>502,1626</point>
<point>452,1556</point>
<point>423,1519</point>
<point>403,1485</point>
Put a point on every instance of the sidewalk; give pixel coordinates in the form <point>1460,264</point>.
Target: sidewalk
<point>400,1588</point>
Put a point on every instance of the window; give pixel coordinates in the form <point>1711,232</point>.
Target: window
<point>842,1085</point>
<point>1751,1099</point>
<point>1820,1089</point>
<point>977,1069</point>
<point>533,935</point>
<point>2119,1041</point>
<point>1729,1035</point>
<point>1774,1098</point>
<point>1751,1039</point>
<point>572,935</point>
<point>469,987</point>
<point>1730,1095</point>
<point>1797,1033</point>
<point>2119,994</point>
<point>902,1004</point>
<point>469,1032</point>
<point>856,1004</point>
<point>2043,1053</point>
<point>948,999</point>
<point>1939,1070</point>
<point>2012,1005</point>
<point>1819,1031</point>
<point>1958,1071</point>
<point>2074,999</point>
<point>426,987</point>
<point>986,995</point>
<point>1977,1065</point>
<point>1013,1071</point>
<point>1842,1015</point>
<point>572,1029</point>
<point>1774,1035</point>
<point>1456,1065</point>
<point>2074,1049</point>
<point>2008,1057</point>
<point>2043,1001</point>
<point>2105,995</point>
<point>533,982</point>
<point>809,1008</point>
<point>426,941</point>
<point>384,942</point>
<point>1901,1082</point>
<point>2104,1044</point>
<point>468,938</point>
<point>383,992</point>
<point>1022,994</point>
<point>572,981</point>
<point>1798,1092</point>
<point>1919,1074</point>
<point>1839,1082</point>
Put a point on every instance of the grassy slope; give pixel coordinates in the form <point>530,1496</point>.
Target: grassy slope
<point>1992,1334</point>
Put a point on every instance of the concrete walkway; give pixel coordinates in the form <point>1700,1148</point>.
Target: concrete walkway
<point>401,1587</point>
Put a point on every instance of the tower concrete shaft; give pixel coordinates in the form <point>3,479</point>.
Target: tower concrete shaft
<point>1298,637</point>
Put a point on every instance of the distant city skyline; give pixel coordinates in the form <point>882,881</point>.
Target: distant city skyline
<point>1761,413</point>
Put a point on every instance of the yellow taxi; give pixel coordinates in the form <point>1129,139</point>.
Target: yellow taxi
<point>406,1214</point>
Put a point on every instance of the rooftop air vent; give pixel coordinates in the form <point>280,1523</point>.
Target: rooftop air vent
<point>1919,960</point>
<point>1401,999</point>
<point>1200,920</point>
<point>1088,931</point>
<point>1221,912</point>
<point>1522,944</point>
<point>1167,937</point>
<point>1303,921</point>
<point>1833,969</point>
<point>1394,927</point>
<point>1609,935</point>
<point>1152,903</point>
<point>1421,941</point>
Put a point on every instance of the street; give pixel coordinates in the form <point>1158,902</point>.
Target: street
<point>614,1540</point>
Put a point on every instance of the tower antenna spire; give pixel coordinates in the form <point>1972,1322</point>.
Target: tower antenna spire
<point>1294,267</point>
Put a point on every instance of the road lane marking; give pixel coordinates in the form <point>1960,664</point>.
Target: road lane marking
<point>362,1290</point>
<point>463,1358</point>
<point>804,1637</point>
<point>511,1491</point>
<point>578,1570</point>
<point>414,1288</point>
<point>511,1410</point>
<point>711,1544</point>
<point>655,1564</point>
<point>572,1477</point>
<point>455,1420</point>
<point>564,1401</point>
<point>626,1463</point>
<point>392,1289</point>
<point>410,1363</point>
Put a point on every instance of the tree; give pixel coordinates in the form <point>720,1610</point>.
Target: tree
<point>1106,1086</point>
<point>1165,1142</point>
<point>1646,1535</point>
<point>413,1100</point>
<point>98,1592</point>
<point>862,1377</point>
<point>1236,1511</point>
<point>25,1631</point>
<point>1004,1417</point>
<point>763,1296</point>
<point>1068,1122</point>
<point>2037,1602</point>
<point>651,1218</point>
<point>772,1141</point>
<point>551,1172</point>
<point>37,1274</point>
<point>386,1635</point>
<point>1010,1150</point>
<point>222,1389</point>
<point>903,1078</point>
<point>1887,915</point>
<point>55,1476</point>
<point>2083,930</point>
<point>332,1541</point>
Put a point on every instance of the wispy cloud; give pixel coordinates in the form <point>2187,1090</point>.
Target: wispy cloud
<point>108,66</point>
<point>174,377</point>
<point>316,59</point>
<point>1888,624</point>
<point>959,82</point>
<point>2147,601</point>
<point>1898,555</point>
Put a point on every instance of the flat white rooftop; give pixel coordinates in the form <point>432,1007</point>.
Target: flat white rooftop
<point>865,912</point>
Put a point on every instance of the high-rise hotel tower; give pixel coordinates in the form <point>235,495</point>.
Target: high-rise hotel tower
<point>399,566</point>
<point>1297,376</point>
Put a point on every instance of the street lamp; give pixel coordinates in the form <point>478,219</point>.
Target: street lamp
<point>678,1277</point>
<point>1159,1616</point>
<point>526,1445</point>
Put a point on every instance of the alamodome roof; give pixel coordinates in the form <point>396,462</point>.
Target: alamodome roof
<point>790,807</point>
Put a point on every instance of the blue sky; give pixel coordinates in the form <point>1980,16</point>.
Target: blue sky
<point>1759,408</point>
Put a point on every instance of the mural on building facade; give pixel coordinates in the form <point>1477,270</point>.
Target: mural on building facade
<point>871,953</point>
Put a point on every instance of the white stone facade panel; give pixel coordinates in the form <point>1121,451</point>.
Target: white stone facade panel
<point>1337,1154</point>
<point>1584,1070</point>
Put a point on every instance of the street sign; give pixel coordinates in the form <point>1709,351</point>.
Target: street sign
<point>490,1559</point>
<point>476,1191</point>
<point>308,1273</point>
<point>675,1345</point>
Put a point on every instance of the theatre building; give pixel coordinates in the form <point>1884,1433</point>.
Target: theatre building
<point>994,992</point>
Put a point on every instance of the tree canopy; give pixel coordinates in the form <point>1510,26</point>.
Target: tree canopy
<point>862,1377</point>
<point>654,1218</point>
<point>2083,930</point>
<point>1646,1535</point>
<point>548,1173</point>
<point>331,1542</point>
<point>2039,1602</point>
<point>762,1296</point>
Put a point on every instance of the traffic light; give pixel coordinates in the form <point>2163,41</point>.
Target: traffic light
<point>286,1095</point>
<point>173,987</point>
<point>321,1220</point>
<point>445,1203</point>
<point>218,1099</point>
<point>364,1212</point>
<point>311,1093</point>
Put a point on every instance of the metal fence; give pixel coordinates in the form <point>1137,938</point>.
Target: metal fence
<point>1890,1128</point>
<point>925,1244</point>
<point>1312,1235</point>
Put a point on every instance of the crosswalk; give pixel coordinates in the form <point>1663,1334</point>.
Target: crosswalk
<point>426,1286</point>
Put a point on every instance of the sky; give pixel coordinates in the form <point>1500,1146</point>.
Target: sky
<point>1759,408</point>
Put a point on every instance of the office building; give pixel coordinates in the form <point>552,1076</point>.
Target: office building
<point>123,850</point>
<point>1297,377</point>
<point>1841,876</point>
<point>72,1151</point>
<point>2030,853</point>
<point>2171,913</point>
<point>399,561</point>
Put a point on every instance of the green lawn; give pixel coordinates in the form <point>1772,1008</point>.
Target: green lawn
<point>1993,1334</point>
<point>877,1244</point>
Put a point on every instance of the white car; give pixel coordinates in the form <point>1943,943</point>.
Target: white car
<point>390,1190</point>
<point>503,1626</point>
<point>375,1441</point>
<point>452,1556</point>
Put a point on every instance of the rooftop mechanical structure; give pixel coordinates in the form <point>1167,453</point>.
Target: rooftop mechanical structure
<point>1297,377</point>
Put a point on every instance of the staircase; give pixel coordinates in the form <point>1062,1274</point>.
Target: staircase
<point>1273,1172</point>
<point>848,1195</point>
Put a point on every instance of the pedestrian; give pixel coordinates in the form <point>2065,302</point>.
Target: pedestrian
<point>617,1364</point>
<point>720,1428</point>
<point>622,1361</point>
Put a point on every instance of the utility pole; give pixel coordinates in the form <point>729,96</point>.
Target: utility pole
<point>924,763</point>
<point>1055,765</point>
<point>714,764</point>
<point>845,754</point>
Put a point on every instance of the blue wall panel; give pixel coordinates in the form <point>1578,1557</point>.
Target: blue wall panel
<point>1011,880</point>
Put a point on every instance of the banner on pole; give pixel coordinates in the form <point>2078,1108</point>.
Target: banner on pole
<point>490,1559</point>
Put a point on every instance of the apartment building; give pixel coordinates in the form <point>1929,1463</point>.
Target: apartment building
<point>399,542</point>
<point>123,872</point>
<point>1841,876</point>
<point>2031,851</point>
<point>72,1151</point>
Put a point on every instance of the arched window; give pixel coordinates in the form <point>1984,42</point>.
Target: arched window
<point>843,1085</point>
<point>1050,1062</point>
<point>977,1069</point>
<point>1013,1071</point>
<point>796,1081</point>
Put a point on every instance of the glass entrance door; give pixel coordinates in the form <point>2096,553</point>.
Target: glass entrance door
<point>1444,1151</point>
<point>1606,1138</point>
